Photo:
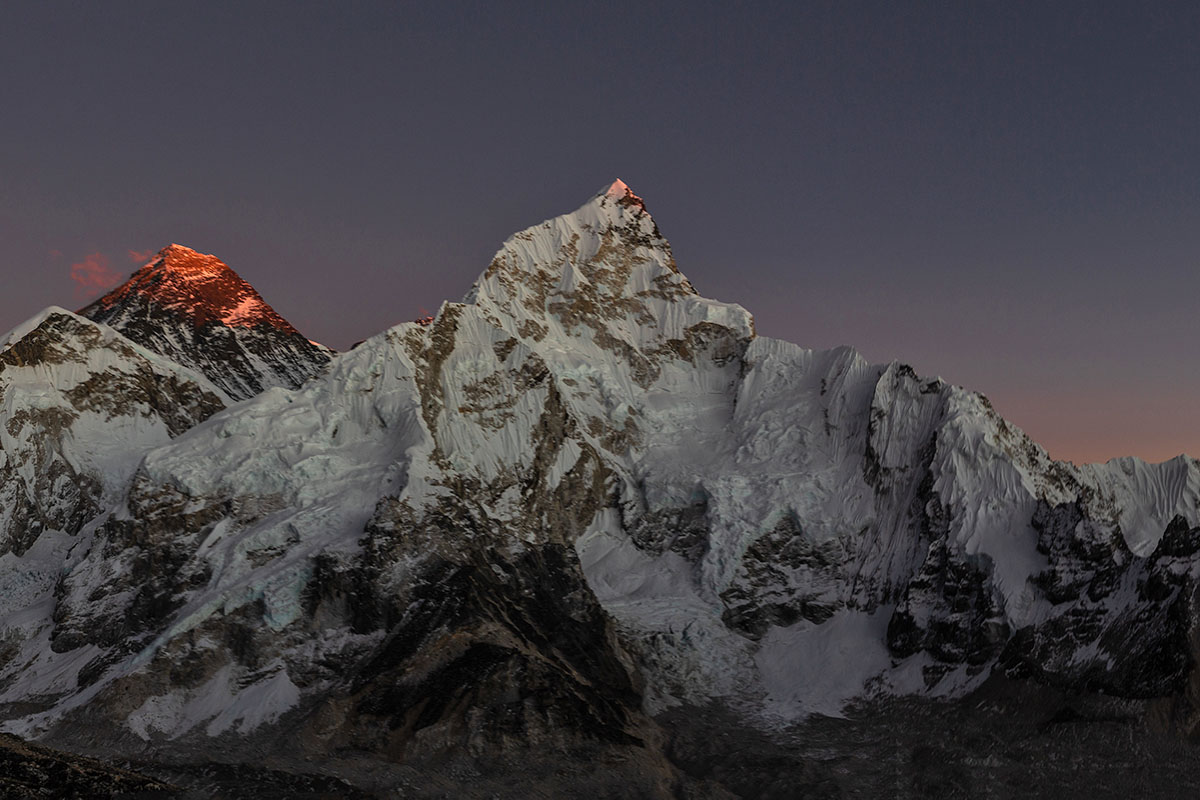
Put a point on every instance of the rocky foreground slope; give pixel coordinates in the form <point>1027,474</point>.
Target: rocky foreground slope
<point>518,542</point>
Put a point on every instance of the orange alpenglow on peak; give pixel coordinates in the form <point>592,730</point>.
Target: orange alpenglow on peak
<point>618,189</point>
<point>623,194</point>
<point>178,258</point>
<point>191,285</point>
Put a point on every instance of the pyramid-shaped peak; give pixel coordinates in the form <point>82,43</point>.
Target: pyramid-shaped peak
<point>187,262</point>
<point>191,308</point>
<point>620,191</point>
<point>188,284</point>
<point>603,271</point>
<point>175,248</point>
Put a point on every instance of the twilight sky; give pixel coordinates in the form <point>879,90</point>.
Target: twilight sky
<point>1006,194</point>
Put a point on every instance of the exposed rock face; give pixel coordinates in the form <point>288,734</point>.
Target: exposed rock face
<point>1136,614</point>
<point>588,493</point>
<point>196,311</point>
<point>784,577</point>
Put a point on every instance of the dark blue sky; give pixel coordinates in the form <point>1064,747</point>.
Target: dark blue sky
<point>1006,194</point>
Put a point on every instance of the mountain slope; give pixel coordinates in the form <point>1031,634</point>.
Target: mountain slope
<point>588,493</point>
<point>195,310</point>
<point>79,406</point>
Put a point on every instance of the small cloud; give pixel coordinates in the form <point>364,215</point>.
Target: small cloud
<point>55,254</point>
<point>93,275</point>
<point>140,256</point>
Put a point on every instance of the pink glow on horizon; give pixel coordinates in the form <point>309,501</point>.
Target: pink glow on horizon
<point>1094,428</point>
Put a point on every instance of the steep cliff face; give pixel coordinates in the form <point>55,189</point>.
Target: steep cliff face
<point>196,311</point>
<point>584,494</point>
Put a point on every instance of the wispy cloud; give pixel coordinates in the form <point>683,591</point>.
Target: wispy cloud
<point>93,275</point>
<point>140,256</point>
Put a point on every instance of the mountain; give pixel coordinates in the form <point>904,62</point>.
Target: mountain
<point>582,522</point>
<point>80,404</point>
<point>196,311</point>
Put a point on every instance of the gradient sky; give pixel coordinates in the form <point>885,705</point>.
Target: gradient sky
<point>1006,194</point>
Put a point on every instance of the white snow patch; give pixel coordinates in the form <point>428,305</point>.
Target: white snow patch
<point>218,702</point>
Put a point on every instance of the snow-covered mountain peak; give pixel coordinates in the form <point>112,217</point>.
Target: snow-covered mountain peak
<point>618,189</point>
<point>601,277</point>
<point>186,261</point>
<point>195,310</point>
<point>623,194</point>
<point>80,403</point>
<point>192,285</point>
